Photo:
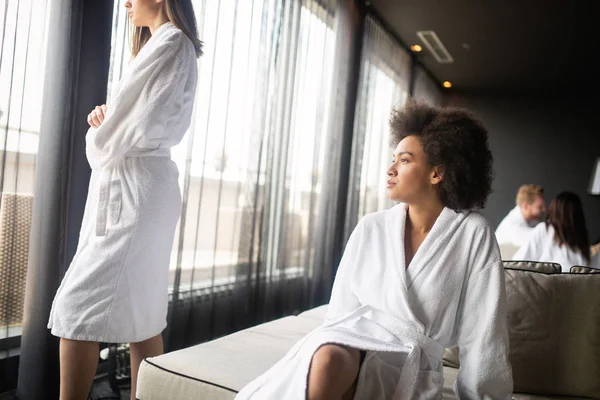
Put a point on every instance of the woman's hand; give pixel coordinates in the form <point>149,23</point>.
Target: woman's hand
<point>96,117</point>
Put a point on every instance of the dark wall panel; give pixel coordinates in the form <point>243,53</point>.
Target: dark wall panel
<point>549,140</point>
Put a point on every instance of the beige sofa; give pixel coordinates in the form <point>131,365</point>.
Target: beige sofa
<point>219,368</point>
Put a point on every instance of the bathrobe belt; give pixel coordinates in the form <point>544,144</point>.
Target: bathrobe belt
<point>113,206</point>
<point>408,337</point>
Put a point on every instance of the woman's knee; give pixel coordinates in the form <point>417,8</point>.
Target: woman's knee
<point>335,359</point>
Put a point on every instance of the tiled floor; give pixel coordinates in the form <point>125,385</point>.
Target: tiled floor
<point>100,391</point>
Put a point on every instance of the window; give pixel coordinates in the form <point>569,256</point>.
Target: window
<point>22,57</point>
<point>255,150</point>
<point>384,94</point>
<point>384,85</point>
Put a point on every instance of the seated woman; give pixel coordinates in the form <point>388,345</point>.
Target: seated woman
<point>423,275</point>
<point>563,238</point>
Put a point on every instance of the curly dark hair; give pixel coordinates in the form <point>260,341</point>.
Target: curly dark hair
<point>453,139</point>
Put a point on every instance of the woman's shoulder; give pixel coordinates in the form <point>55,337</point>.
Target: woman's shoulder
<point>478,240</point>
<point>378,218</point>
<point>369,222</point>
<point>543,229</point>
<point>176,40</point>
<point>170,32</point>
<point>477,223</point>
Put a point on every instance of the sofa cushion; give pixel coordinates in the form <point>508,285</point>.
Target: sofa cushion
<point>554,332</point>
<point>451,357</point>
<point>315,313</point>
<point>537,266</point>
<point>220,368</point>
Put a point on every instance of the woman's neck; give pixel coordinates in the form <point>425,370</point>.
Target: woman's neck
<point>422,216</point>
<point>157,22</point>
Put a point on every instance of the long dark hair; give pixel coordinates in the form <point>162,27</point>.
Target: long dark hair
<point>181,14</point>
<point>565,214</point>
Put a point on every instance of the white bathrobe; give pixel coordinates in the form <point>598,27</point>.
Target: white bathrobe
<point>514,229</point>
<point>452,293</point>
<point>595,261</point>
<point>542,246</point>
<point>116,288</point>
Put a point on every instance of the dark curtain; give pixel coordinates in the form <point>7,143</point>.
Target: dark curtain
<point>76,69</point>
<point>385,79</point>
<point>426,88</point>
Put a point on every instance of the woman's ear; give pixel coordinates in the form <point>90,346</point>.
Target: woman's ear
<point>437,175</point>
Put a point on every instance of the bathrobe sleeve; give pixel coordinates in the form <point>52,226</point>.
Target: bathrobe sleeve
<point>482,334</point>
<point>343,300</point>
<point>155,83</point>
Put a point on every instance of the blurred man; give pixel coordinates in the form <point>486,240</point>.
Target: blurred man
<point>529,211</point>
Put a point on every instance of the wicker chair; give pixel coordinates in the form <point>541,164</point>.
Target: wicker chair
<point>15,226</point>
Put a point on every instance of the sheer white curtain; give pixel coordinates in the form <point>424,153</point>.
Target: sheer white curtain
<point>384,84</point>
<point>426,88</point>
<point>22,58</point>
<point>252,164</point>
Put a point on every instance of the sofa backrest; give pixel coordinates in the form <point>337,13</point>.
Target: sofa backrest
<point>579,269</point>
<point>547,267</point>
<point>554,332</point>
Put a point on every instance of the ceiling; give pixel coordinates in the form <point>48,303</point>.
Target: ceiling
<point>510,44</point>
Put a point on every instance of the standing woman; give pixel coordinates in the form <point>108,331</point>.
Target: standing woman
<point>115,289</point>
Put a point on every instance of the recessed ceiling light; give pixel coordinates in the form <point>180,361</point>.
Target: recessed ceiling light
<point>416,48</point>
<point>447,84</point>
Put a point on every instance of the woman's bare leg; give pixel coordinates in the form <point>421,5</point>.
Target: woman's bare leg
<point>78,364</point>
<point>333,372</point>
<point>138,351</point>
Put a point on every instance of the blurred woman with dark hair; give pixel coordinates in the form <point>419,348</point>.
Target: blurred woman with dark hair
<point>563,238</point>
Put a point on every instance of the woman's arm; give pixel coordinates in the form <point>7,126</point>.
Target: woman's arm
<point>343,299</point>
<point>485,371</point>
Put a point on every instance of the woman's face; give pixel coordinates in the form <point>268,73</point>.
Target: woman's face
<point>143,12</point>
<point>410,177</point>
